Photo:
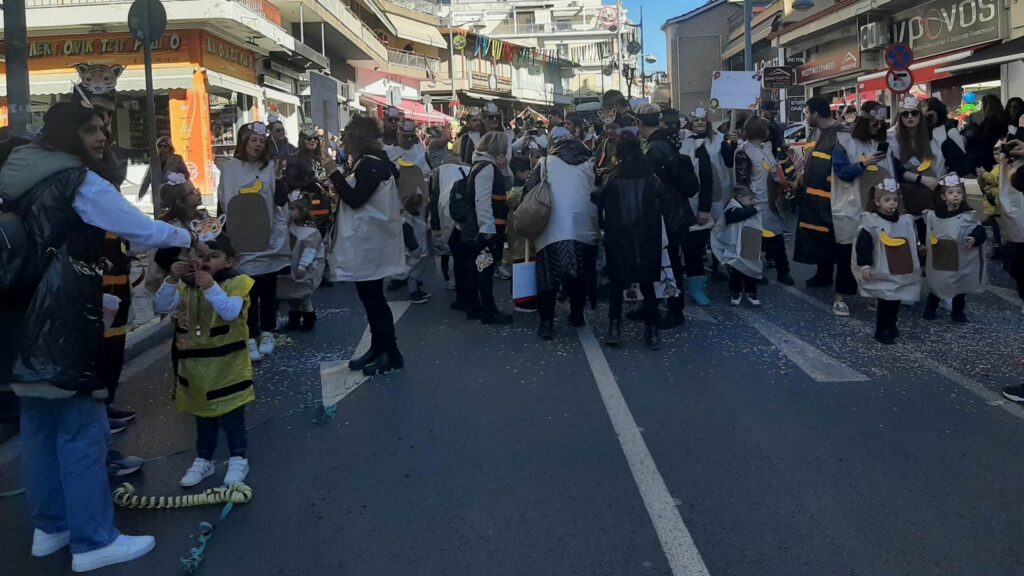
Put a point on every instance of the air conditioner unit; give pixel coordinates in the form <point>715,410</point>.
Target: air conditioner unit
<point>875,35</point>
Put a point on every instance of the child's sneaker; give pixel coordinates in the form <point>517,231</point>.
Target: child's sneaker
<point>752,298</point>
<point>419,297</point>
<point>201,470</point>
<point>736,299</point>
<point>238,469</point>
<point>267,343</point>
<point>254,351</point>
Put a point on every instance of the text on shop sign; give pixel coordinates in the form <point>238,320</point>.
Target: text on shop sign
<point>942,26</point>
<point>92,46</point>
<point>229,53</point>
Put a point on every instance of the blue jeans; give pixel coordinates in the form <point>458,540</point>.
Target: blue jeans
<point>64,455</point>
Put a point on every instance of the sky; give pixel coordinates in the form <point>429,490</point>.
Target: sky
<point>656,12</point>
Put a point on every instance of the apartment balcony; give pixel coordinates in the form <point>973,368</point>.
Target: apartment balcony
<point>346,34</point>
<point>424,6</point>
<point>412,64</point>
<point>508,30</point>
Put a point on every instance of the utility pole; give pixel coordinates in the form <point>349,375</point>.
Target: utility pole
<point>643,55</point>
<point>16,45</point>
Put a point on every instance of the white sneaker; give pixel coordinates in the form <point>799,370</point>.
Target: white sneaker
<point>736,299</point>
<point>44,544</point>
<point>124,549</point>
<point>200,470</point>
<point>267,343</point>
<point>753,301</point>
<point>449,285</point>
<point>254,351</point>
<point>841,309</point>
<point>504,272</point>
<point>238,469</point>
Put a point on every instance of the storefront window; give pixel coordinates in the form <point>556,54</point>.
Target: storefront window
<point>223,119</point>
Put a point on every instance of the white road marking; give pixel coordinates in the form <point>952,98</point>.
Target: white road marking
<point>991,397</point>
<point>336,380</point>
<point>700,314</point>
<point>817,364</point>
<point>681,552</point>
<point>1006,294</point>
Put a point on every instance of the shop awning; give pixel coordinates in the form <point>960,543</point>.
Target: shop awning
<point>924,71</point>
<point>132,80</point>
<point>283,97</point>
<point>993,56</point>
<point>479,96</point>
<point>410,29</point>
<point>414,110</point>
<point>233,84</point>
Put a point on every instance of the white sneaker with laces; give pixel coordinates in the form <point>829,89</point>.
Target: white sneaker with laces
<point>200,470</point>
<point>254,351</point>
<point>124,549</point>
<point>267,343</point>
<point>736,299</point>
<point>238,469</point>
<point>753,300</point>
<point>44,544</point>
<point>841,309</point>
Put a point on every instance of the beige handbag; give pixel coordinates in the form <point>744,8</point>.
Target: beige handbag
<point>532,216</point>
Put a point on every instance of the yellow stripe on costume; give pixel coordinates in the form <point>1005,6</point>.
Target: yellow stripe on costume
<point>820,193</point>
<point>813,227</point>
<point>822,155</point>
<point>114,332</point>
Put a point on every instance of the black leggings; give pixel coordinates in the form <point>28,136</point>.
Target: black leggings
<point>113,361</point>
<point>576,288</point>
<point>775,250</point>
<point>446,261</point>
<point>693,252</point>
<point>378,316</point>
<point>263,304</point>
<point>1016,256</point>
<point>233,425</point>
<point>959,303</point>
<point>740,282</point>
<point>888,311</point>
<point>481,282</point>
<point>650,304</point>
<point>675,258</point>
<point>460,267</point>
<point>846,284</point>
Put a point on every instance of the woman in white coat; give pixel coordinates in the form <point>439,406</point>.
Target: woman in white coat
<point>567,248</point>
<point>369,246</point>
<point>252,196</point>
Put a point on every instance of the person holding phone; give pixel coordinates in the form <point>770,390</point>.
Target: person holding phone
<point>860,162</point>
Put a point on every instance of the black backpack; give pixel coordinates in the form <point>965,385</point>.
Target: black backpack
<point>462,201</point>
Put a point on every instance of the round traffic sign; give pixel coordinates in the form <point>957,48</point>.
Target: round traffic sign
<point>147,20</point>
<point>899,56</point>
<point>899,81</point>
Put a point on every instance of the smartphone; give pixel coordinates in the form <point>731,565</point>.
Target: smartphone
<point>883,147</point>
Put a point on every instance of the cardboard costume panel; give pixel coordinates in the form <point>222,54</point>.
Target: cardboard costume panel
<point>1011,202</point>
<point>952,268</point>
<point>739,244</point>
<point>896,272</point>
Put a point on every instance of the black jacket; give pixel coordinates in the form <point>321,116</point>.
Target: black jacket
<point>299,173</point>
<point>676,174</point>
<point>370,171</point>
<point>631,207</point>
<point>60,341</point>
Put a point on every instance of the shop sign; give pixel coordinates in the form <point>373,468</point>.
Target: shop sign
<point>222,56</point>
<point>490,83</point>
<point>795,109</point>
<point>834,59</point>
<point>777,77</point>
<point>54,53</point>
<point>942,26</point>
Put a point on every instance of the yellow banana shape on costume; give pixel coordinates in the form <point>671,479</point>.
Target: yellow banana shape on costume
<point>404,163</point>
<point>934,240</point>
<point>767,234</point>
<point>254,188</point>
<point>924,166</point>
<point>887,240</point>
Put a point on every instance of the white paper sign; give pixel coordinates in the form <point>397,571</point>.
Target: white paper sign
<point>524,280</point>
<point>735,90</point>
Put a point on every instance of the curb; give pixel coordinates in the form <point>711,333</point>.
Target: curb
<point>146,337</point>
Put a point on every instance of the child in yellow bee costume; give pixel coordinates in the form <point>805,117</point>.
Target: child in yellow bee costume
<point>956,261</point>
<point>885,260</point>
<point>215,378</point>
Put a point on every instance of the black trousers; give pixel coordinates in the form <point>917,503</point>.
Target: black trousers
<point>693,253</point>
<point>460,266</point>
<point>741,283</point>
<point>1016,255</point>
<point>446,261</point>
<point>233,424</point>
<point>845,283</point>
<point>675,258</point>
<point>481,282</point>
<point>576,288</point>
<point>650,304</point>
<point>775,249</point>
<point>959,303</point>
<point>378,316</point>
<point>263,304</point>
<point>113,362</point>
<point>888,311</point>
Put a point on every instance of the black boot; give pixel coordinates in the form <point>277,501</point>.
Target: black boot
<point>546,330</point>
<point>614,337</point>
<point>294,316</point>
<point>365,360</point>
<point>652,338</point>
<point>387,362</point>
<point>308,321</point>
<point>672,320</point>
<point>885,337</point>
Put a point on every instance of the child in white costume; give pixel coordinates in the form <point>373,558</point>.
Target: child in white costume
<point>736,241</point>
<point>307,265</point>
<point>956,261</point>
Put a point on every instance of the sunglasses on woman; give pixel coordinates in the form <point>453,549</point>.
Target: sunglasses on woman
<point>910,114</point>
<point>493,117</point>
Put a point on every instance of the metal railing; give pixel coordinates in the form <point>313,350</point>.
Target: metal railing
<point>412,60</point>
<point>262,7</point>
<point>425,6</point>
<point>554,27</point>
<point>356,26</point>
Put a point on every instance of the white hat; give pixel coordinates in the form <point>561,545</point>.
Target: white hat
<point>407,126</point>
<point>491,108</point>
<point>910,103</point>
<point>952,179</point>
<point>700,113</point>
<point>392,112</point>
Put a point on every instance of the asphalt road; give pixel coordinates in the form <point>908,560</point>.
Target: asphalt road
<point>778,441</point>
